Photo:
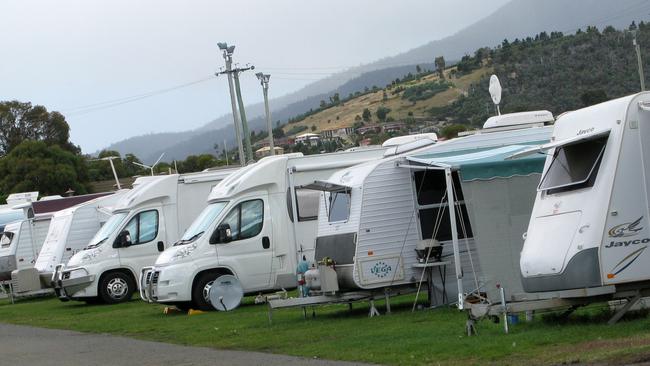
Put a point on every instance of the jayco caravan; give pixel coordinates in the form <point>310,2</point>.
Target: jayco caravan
<point>257,225</point>
<point>383,222</point>
<point>590,223</point>
<point>69,231</point>
<point>144,221</point>
<point>21,240</point>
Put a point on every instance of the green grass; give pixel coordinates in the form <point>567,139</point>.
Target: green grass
<point>401,338</point>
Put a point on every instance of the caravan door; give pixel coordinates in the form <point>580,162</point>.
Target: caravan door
<point>248,252</point>
<point>146,228</point>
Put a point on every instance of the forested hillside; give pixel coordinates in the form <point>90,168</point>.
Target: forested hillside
<point>555,72</point>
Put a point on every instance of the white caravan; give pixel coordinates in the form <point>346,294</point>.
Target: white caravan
<point>589,226</point>
<point>22,240</point>
<point>380,220</point>
<point>248,230</point>
<point>70,231</point>
<point>147,219</point>
<point>10,214</point>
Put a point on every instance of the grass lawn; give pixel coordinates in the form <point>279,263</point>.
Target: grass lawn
<point>401,338</point>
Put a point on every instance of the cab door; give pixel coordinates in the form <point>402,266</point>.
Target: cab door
<point>248,249</point>
<point>146,229</point>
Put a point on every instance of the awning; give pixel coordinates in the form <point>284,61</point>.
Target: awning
<point>551,145</point>
<point>485,164</point>
<point>321,185</point>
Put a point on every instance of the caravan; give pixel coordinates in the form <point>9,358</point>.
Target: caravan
<point>21,240</point>
<point>69,231</point>
<point>590,223</point>
<point>385,222</point>
<point>257,225</point>
<point>146,220</point>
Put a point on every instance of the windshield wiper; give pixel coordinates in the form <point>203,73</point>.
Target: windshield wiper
<point>191,239</point>
<point>96,244</point>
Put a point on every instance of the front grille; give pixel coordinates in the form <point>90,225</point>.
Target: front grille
<point>154,278</point>
<point>148,278</point>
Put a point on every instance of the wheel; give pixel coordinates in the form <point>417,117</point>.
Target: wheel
<point>201,291</point>
<point>116,287</point>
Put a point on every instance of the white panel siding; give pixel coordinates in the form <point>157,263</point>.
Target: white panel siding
<point>388,223</point>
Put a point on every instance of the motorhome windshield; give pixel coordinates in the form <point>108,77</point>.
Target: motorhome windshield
<point>574,166</point>
<point>109,227</point>
<point>201,223</point>
<point>339,206</point>
<point>5,239</point>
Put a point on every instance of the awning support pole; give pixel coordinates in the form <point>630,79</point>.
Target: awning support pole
<point>294,212</point>
<point>454,236</point>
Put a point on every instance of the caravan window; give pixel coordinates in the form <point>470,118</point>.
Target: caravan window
<point>308,201</point>
<point>245,220</point>
<point>143,227</point>
<point>431,186</point>
<point>339,206</point>
<point>574,166</point>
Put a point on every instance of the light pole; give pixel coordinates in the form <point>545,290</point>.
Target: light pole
<point>227,56</point>
<point>638,59</point>
<point>242,112</point>
<point>264,80</point>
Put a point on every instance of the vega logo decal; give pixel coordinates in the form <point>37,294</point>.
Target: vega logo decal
<point>625,262</point>
<point>626,229</point>
<point>381,269</point>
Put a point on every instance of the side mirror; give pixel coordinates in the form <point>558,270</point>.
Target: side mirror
<point>222,234</point>
<point>122,240</point>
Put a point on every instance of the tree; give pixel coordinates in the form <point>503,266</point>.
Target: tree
<point>35,166</point>
<point>366,114</point>
<point>451,131</point>
<point>313,128</point>
<point>21,121</point>
<point>440,66</point>
<point>382,113</point>
<point>591,97</point>
<point>418,69</point>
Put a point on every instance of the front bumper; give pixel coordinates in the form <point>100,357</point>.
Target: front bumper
<point>164,285</point>
<point>68,282</point>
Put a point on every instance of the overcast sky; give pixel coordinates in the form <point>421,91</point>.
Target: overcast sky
<point>76,53</point>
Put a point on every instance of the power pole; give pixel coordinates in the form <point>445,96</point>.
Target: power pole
<point>225,150</point>
<point>242,112</point>
<point>638,59</point>
<point>227,56</point>
<point>264,80</point>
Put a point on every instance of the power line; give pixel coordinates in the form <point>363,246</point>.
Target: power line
<point>119,101</point>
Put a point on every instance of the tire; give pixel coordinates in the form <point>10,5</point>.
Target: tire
<point>200,291</point>
<point>116,287</point>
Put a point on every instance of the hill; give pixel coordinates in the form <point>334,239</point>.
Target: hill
<point>515,19</point>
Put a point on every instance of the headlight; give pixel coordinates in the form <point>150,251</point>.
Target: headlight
<point>91,254</point>
<point>183,252</point>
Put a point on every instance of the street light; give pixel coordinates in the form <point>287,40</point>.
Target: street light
<point>264,81</point>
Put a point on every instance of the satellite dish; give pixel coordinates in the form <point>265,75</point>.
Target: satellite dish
<point>226,293</point>
<point>495,89</point>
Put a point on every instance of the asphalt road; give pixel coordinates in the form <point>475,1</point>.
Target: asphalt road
<point>21,345</point>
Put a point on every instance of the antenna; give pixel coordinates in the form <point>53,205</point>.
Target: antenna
<point>226,293</point>
<point>150,167</point>
<point>495,91</point>
<point>110,160</point>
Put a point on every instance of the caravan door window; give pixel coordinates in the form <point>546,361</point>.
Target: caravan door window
<point>574,166</point>
<point>308,201</point>
<point>339,206</point>
<point>143,227</point>
<point>5,239</point>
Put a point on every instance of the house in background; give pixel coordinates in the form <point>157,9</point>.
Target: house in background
<point>337,133</point>
<point>266,151</point>
<point>311,139</point>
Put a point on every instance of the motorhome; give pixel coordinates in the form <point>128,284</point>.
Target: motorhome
<point>70,231</point>
<point>146,220</point>
<point>22,240</point>
<point>386,221</point>
<point>258,223</point>
<point>589,226</point>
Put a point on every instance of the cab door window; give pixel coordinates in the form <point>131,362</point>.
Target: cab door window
<point>143,227</point>
<point>245,220</point>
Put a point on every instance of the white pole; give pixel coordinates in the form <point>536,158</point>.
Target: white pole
<point>454,237</point>
<point>235,115</point>
<point>117,181</point>
<point>638,60</point>
<point>264,80</point>
<point>225,149</point>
